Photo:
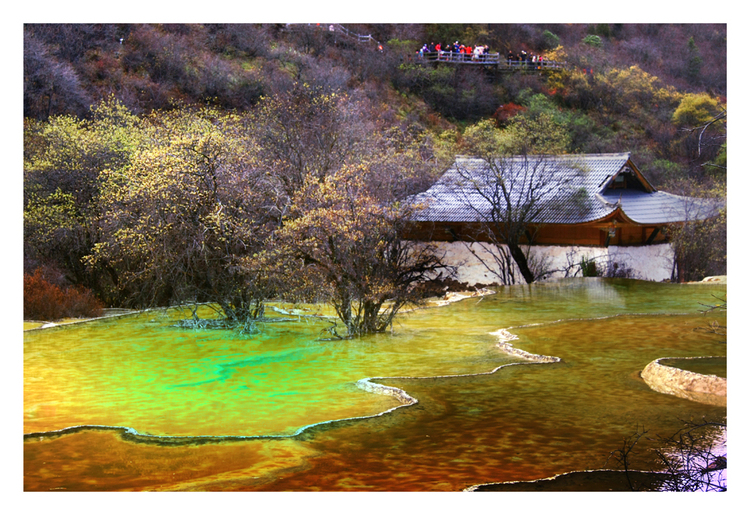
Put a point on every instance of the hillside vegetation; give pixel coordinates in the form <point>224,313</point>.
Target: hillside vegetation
<point>167,163</point>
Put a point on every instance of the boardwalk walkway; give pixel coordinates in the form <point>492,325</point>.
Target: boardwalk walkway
<point>496,60</point>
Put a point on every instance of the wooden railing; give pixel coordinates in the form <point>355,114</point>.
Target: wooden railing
<point>484,59</point>
<point>361,38</point>
<point>488,59</point>
<point>335,28</point>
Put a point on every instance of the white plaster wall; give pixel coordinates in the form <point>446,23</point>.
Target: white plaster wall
<point>651,263</point>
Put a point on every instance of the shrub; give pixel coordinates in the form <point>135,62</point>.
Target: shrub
<point>588,267</point>
<point>43,300</point>
<point>550,39</point>
<point>81,302</point>
<point>505,112</point>
<point>696,109</point>
<point>592,40</point>
<point>615,269</point>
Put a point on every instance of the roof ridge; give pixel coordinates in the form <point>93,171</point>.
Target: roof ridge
<point>555,156</point>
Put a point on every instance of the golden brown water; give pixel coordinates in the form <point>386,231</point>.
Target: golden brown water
<point>522,422</point>
<point>705,366</point>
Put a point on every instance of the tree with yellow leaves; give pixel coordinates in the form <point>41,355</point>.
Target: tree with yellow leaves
<point>344,246</point>
<point>62,162</point>
<point>703,120</point>
<point>176,223</point>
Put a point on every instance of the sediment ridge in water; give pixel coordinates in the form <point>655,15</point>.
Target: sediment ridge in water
<point>505,337</point>
<point>706,389</point>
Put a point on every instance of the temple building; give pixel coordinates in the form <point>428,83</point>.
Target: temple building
<point>591,206</point>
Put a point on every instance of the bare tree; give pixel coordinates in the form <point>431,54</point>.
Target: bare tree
<point>344,246</point>
<point>308,132</point>
<point>513,185</point>
<point>511,197</point>
<point>701,129</point>
<point>50,86</point>
<point>700,245</point>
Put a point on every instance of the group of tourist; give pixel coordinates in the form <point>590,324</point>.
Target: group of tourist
<point>525,59</point>
<point>460,52</point>
<point>455,51</point>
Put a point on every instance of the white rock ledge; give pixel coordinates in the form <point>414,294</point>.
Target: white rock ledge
<point>402,396</point>
<point>706,389</point>
<point>504,338</point>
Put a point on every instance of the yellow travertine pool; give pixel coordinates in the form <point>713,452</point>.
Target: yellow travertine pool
<point>137,403</point>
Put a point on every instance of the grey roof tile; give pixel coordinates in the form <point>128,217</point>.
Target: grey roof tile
<point>661,207</point>
<point>573,189</point>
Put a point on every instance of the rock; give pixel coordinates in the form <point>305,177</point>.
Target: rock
<point>706,389</point>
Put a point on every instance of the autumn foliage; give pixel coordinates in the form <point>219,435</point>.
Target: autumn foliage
<point>505,112</point>
<point>43,300</point>
<point>237,163</point>
<point>343,245</point>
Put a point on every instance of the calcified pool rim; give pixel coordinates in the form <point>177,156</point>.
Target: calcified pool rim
<point>132,434</point>
<point>686,384</point>
<point>548,483</point>
<point>366,384</point>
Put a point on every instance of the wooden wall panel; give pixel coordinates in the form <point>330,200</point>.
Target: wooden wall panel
<point>585,235</point>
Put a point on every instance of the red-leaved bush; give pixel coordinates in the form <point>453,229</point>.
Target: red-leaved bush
<point>505,112</point>
<point>43,300</point>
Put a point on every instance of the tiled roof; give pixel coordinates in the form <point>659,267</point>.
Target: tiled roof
<point>661,207</point>
<point>570,189</point>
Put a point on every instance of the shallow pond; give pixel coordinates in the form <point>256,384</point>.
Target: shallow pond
<point>282,410</point>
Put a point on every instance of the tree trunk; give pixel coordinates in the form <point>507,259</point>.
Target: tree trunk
<point>521,261</point>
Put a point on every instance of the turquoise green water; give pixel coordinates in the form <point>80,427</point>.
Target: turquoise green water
<point>141,372</point>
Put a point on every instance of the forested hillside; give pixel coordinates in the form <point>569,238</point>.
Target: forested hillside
<point>165,163</point>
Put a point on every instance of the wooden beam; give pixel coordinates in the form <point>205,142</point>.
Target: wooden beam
<point>653,235</point>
